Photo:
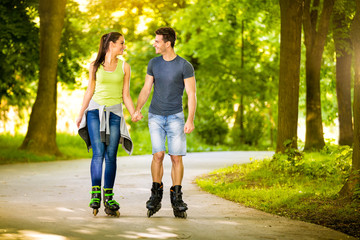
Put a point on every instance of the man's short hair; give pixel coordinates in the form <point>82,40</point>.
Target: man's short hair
<point>168,35</point>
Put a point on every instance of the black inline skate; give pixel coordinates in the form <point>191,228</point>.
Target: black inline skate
<point>111,206</point>
<point>154,203</point>
<point>95,199</point>
<point>178,205</point>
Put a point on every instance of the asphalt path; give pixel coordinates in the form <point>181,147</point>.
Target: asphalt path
<point>50,201</point>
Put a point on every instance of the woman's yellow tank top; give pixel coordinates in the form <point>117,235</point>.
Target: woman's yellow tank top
<point>109,85</point>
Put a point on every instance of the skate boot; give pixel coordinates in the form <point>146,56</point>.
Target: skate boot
<point>111,206</point>
<point>178,205</point>
<point>154,203</point>
<point>95,199</point>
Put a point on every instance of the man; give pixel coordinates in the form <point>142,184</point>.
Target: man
<point>170,74</point>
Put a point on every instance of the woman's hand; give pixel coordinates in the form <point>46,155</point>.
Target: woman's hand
<point>78,121</point>
<point>136,116</point>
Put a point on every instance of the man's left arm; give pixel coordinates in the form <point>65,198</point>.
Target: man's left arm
<point>190,87</point>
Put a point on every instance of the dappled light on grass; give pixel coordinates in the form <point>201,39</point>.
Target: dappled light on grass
<point>29,235</point>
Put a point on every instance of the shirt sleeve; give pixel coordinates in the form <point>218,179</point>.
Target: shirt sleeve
<point>149,68</point>
<point>188,70</point>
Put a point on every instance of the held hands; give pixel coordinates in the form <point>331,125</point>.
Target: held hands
<point>136,116</point>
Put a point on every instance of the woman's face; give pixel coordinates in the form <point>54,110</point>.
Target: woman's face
<point>119,46</point>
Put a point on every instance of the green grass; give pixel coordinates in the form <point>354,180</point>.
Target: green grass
<point>305,187</point>
<point>73,147</point>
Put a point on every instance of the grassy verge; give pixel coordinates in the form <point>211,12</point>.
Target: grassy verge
<point>303,187</point>
<point>73,147</point>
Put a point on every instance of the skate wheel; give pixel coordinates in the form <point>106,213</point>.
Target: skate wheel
<point>95,211</point>
<point>149,213</point>
<point>180,214</point>
<point>112,213</point>
<point>117,214</point>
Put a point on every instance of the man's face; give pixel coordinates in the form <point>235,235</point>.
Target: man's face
<point>159,44</point>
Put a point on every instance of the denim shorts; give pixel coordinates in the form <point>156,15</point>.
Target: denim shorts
<point>172,127</point>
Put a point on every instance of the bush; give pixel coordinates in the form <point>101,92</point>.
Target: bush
<point>212,129</point>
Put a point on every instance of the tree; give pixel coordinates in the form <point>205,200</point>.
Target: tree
<point>19,58</point>
<point>290,53</point>
<point>341,33</point>
<point>315,30</point>
<point>353,181</point>
<point>41,134</point>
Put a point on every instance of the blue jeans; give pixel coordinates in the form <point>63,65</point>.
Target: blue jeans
<point>102,151</point>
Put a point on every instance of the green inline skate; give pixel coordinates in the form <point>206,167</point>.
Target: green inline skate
<point>95,199</point>
<point>111,206</point>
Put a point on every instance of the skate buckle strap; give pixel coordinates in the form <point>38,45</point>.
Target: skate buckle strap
<point>113,202</point>
<point>109,194</point>
<point>95,191</point>
<point>94,200</point>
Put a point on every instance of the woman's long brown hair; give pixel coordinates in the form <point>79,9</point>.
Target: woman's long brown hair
<point>104,46</point>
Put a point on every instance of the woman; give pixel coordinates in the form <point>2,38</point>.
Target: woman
<point>101,122</point>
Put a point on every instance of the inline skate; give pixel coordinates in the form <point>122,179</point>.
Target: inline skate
<point>95,199</point>
<point>111,206</point>
<point>178,205</point>
<point>154,203</point>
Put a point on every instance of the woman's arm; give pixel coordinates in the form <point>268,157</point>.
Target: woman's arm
<point>126,90</point>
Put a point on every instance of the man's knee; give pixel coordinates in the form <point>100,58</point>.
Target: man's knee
<point>176,160</point>
<point>159,157</point>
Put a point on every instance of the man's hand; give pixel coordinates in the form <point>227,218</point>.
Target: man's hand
<point>189,126</point>
<point>136,116</point>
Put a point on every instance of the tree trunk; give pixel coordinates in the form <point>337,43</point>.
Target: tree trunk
<point>41,134</point>
<point>314,136</point>
<point>315,31</point>
<point>343,77</point>
<point>271,124</point>
<point>241,107</point>
<point>241,119</point>
<point>354,180</point>
<point>290,53</point>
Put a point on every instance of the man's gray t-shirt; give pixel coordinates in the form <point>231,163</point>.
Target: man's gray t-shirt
<point>168,84</point>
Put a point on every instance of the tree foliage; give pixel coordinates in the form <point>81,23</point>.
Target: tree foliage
<point>234,46</point>
<point>19,55</point>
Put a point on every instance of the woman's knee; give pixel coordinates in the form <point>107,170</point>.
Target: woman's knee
<point>98,150</point>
